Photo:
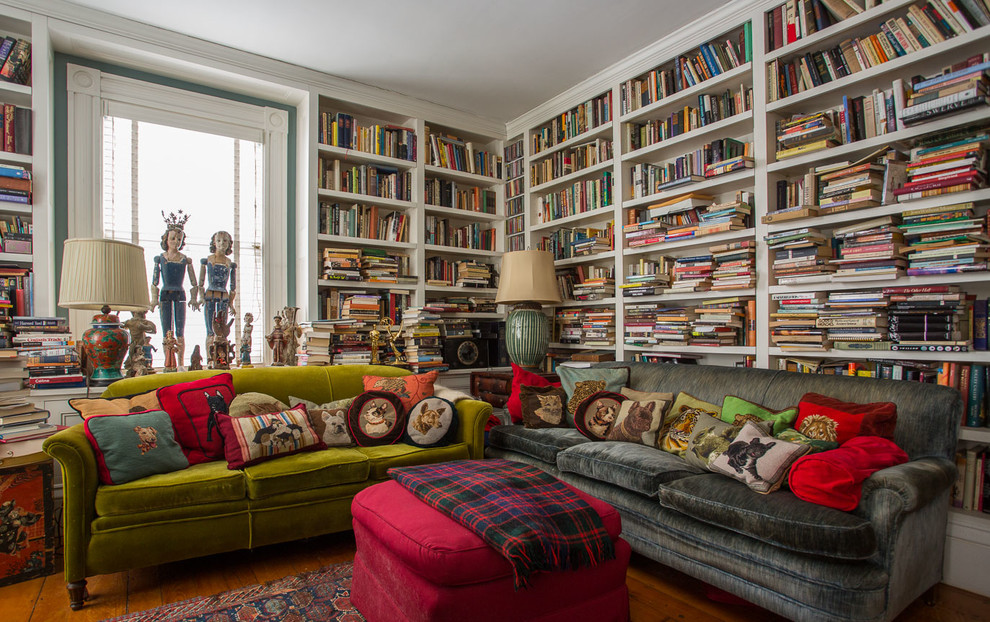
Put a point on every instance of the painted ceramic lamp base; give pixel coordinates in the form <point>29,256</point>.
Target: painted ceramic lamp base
<point>527,335</point>
<point>106,345</point>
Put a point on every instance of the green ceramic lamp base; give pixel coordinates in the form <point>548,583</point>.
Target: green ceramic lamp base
<point>527,335</point>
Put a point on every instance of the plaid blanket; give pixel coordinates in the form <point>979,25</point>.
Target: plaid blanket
<point>530,517</point>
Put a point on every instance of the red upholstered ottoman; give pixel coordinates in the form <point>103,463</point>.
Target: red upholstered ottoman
<point>414,563</point>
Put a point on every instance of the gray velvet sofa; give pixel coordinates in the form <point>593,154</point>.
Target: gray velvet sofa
<point>798,559</point>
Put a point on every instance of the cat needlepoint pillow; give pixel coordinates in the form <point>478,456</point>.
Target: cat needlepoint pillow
<point>543,407</point>
<point>194,408</point>
<point>597,413</point>
<point>522,377</point>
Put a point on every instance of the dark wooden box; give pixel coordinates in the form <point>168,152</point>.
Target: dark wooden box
<point>27,522</point>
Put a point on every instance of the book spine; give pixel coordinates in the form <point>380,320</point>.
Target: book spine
<point>980,324</point>
<point>975,414</point>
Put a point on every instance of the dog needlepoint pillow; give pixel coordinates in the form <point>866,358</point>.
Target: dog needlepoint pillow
<point>194,408</point>
<point>250,440</point>
<point>638,422</point>
<point>329,420</point>
<point>757,459</point>
<point>431,422</point>
<point>376,418</point>
<point>132,446</point>
<point>597,413</point>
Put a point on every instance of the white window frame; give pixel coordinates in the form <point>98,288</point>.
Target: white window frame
<point>92,94</point>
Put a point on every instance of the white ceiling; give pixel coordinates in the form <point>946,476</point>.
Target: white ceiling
<point>494,58</point>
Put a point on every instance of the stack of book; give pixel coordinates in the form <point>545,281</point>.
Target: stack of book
<point>50,353</point>
<point>321,340</point>
<point>15,60</point>
<point>648,277</point>
<point>420,331</point>
<point>793,326</point>
<point>15,184</point>
<point>945,239</point>
<point>362,308</point>
<point>720,322</point>
<point>559,242</point>
<point>954,160</point>
<point>341,264</point>
<point>598,288</point>
<point>855,317</point>
<point>800,255</point>
<point>673,325</point>
<point>598,327</point>
<point>735,265</point>
<point>593,244</point>
<point>851,188</point>
<point>948,93</point>
<point>640,323</point>
<point>20,424</point>
<point>870,249</point>
<point>731,216</point>
<point>692,274</point>
<point>807,133</point>
<point>378,266</point>
<point>473,274</point>
<point>566,278</point>
<point>932,320</point>
<point>569,325</point>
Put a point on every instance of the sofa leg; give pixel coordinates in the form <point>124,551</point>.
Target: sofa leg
<point>78,594</point>
<point>930,597</point>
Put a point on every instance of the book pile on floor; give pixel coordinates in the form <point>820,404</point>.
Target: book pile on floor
<point>569,323</point>
<point>855,317</point>
<point>19,419</point>
<point>794,325</point>
<point>420,332</point>
<point>933,320</point>
<point>948,93</point>
<point>944,239</point>
<point>473,274</point>
<point>870,249</point>
<point>640,320</point>
<point>951,161</point>
<point>807,133</point>
<point>719,322</point>
<point>648,277</point>
<point>692,274</point>
<point>50,353</point>
<point>673,325</point>
<point>735,265</point>
<point>341,264</point>
<point>800,255</point>
<point>598,327</point>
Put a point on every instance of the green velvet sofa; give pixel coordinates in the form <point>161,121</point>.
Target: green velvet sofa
<point>208,508</point>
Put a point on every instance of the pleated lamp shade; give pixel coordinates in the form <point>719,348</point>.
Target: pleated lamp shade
<point>527,276</point>
<point>98,272</point>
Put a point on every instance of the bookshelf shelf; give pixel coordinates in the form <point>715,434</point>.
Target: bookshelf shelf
<point>605,129</point>
<point>363,157</point>
<point>9,157</point>
<point>645,154</point>
<point>579,346</point>
<point>600,213</point>
<point>353,197</point>
<point>570,177</point>
<point>462,176</point>
<point>470,316</point>
<point>453,289</point>
<point>705,240</point>
<point>365,285</point>
<point>15,208</point>
<point>883,354</point>
<point>980,435</point>
<point>16,257</point>
<point>437,249</point>
<point>711,294</point>
<point>721,183</point>
<point>8,89</point>
<point>815,98</point>
<point>690,94</point>
<point>351,241</point>
<point>463,214</point>
<point>586,303</point>
<point>904,281</point>
<point>863,147</point>
<point>683,349</point>
<point>582,259</point>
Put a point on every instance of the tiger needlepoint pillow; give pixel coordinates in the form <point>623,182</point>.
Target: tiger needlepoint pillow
<point>194,407</point>
<point>409,389</point>
<point>829,419</point>
<point>432,422</point>
<point>675,433</point>
<point>253,439</point>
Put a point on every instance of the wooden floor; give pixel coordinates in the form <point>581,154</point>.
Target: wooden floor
<point>656,593</point>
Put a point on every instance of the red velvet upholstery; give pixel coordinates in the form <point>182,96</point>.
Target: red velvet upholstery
<point>414,563</point>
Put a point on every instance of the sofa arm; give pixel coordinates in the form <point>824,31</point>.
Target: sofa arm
<point>914,483</point>
<point>473,415</point>
<point>72,451</point>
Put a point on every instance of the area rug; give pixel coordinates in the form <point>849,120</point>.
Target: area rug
<point>323,594</point>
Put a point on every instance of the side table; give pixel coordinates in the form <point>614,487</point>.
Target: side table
<point>27,517</point>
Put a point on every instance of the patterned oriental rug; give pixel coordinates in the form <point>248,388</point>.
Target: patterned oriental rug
<point>323,594</point>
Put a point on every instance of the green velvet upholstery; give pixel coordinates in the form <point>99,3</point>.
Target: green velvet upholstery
<point>207,508</point>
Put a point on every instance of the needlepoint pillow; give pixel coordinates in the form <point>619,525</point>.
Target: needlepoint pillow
<point>87,407</point>
<point>132,446</point>
<point>757,459</point>
<point>614,378</point>
<point>252,403</point>
<point>710,437</point>
<point>827,418</point>
<point>409,389</point>
<point>376,418</point>
<point>638,422</point>
<point>597,413</point>
<point>522,377</point>
<point>542,407</point>
<point>817,445</point>
<point>329,420</point>
<point>645,396</point>
<point>253,439</point>
<point>194,408</point>
<point>738,411</point>
<point>432,422</point>
<point>680,421</point>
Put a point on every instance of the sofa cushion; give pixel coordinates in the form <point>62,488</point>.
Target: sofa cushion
<point>738,411</point>
<point>710,437</point>
<point>520,377</point>
<point>376,418</point>
<point>409,389</point>
<point>780,519</point>
<point>614,379</point>
<point>253,403</point>
<point>384,457</point>
<point>307,470</point>
<point>432,422</point>
<point>634,467</point>
<point>89,406</point>
<point>831,419</point>
<point>758,459</point>
<point>208,482</point>
<point>329,420</point>
<point>679,422</point>
<point>542,444</point>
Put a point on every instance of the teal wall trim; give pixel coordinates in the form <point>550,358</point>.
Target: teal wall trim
<point>60,155</point>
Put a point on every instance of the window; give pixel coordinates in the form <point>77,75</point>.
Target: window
<point>137,149</point>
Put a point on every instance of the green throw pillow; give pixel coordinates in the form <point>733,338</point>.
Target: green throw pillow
<point>680,421</point>
<point>817,445</point>
<point>738,411</point>
<point>614,378</point>
<point>132,446</point>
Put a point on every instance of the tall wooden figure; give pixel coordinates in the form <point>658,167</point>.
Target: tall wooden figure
<point>171,268</point>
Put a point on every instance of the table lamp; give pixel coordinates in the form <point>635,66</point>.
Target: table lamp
<point>102,274</point>
<point>527,281</point>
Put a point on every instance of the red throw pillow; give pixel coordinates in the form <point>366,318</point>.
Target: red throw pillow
<point>828,419</point>
<point>193,408</point>
<point>835,478</point>
<point>520,377</point>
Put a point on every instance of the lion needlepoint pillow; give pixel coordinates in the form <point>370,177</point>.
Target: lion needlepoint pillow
<point>757,459</point>
<point>543,407</point>
<point>638,422</point>
<point>329,420</point>
<point>409,389</point>
<point>376,418</point>
<point>680,421</point>
<point>432,422</point>
<point>597,413</point>
<point>829,419</point>
<point>253,439</point>
<point>132,446</point>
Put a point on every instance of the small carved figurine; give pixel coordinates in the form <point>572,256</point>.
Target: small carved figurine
<point>149,351</point>
<point>292,332</point>
<point>218,345</point>
<point>276,341</point>
<point>138,327</point>
<point>196,360</point>
<point>245,348</point>
<point>171,345</point>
